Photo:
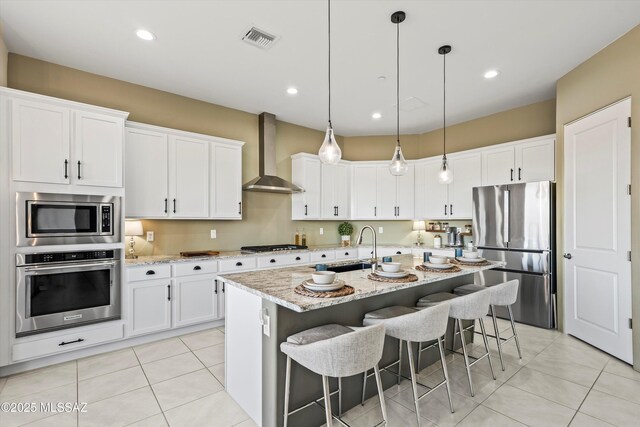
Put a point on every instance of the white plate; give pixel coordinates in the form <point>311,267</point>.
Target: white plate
<point>389,275</point>
<point>312,286</point>
<point>438,266</point>
<point>470,260</point>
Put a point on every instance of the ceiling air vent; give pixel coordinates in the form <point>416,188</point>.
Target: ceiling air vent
<point>259,38</point>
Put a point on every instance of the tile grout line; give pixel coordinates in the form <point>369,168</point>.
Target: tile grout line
<point>152,391</point>
<point>587,395</point>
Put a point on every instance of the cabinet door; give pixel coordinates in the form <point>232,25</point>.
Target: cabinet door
<point>149,306</point>
<point>386,194</point>
<point>40,140</point>
<point>341,191</point>
<point>221,292</point>
<point>420,201</point>
<point>98,150</point>
<point>327,191</point>
<point>194,300</point>
<point>405,195</point>
<point>535,161</point>
<point>146,174</point>
<point>363,192</point>
<point>226,185</point>
<point>436,194</point>
<point>498,166</point>
<point>467,173</point>
<point>306,173</point>
<point>188,178</point>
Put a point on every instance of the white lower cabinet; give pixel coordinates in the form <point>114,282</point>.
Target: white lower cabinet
<point>149,306</point>
<point>195,300</point>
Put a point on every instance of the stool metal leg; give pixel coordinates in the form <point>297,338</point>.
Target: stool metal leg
<point>399,361</point>
<point>498,340</point>
<point>419,354</point>
<point>364,387</point>
<point>339,397</point>
<point>287,382</point>
<point>383,406</point>
<point>446,372</point>
<point>327,401</point>
<point>513,328</point>
<point>486,346</point>
<point>413,381</point>
<point>464,353</point>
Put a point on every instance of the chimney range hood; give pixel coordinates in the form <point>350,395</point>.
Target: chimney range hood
<point>267,181</point>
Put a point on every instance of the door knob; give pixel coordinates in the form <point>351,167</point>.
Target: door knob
<point>567,256</point>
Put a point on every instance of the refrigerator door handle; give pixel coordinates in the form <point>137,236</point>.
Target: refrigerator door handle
<point>507,216</point>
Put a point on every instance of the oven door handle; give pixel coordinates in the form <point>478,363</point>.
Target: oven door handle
<point>111,264</point>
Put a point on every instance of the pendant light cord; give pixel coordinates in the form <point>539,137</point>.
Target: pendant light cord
<point>444,105</point>
<point>398,83</point>
<point>329,62</point>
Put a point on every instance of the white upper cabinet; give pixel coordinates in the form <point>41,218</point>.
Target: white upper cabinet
<point>146,174</point>
<point>176,174</point>
<point>334,191</point>
<point>467,173</point>
<point>226,181</point>
<point>434,194</point>
<point>521,161</point>
<point>189,177</point>
<point>405,203</point>
<point>98,141</point>
<point>386,188</point>
<point>62,142</point>
<point>306,172</point>
<point>364,191</point>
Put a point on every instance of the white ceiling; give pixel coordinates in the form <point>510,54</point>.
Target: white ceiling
<point>198,52</point>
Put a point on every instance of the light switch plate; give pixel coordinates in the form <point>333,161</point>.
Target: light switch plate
<point>380,230</point>
<point>214,234</point>
<point>266,325</point>
<point>150,236</point>
<point>321,231</point>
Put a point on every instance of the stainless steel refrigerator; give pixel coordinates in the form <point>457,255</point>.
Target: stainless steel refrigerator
<point>515,223</point>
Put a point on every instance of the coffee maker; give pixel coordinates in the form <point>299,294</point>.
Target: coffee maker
<point>454,237</point>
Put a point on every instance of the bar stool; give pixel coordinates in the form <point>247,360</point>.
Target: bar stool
<point>502,295</point>
<point>468,307</point>
<point>412,325</point>
<point>334,351</point>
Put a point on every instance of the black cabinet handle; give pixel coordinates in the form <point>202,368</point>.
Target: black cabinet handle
<point>238,264</point>
<point>346,253</point>
<point>168,292</point>
<point>272,260</point>
<point>375,211</point>
<point>71,342</point>
<point>305,210</point>
<point>239,208</point>
<point>197,267</point>
<point>215,289</point>
<point>174,205</point>
<point>450,209</point>
<point>323,256</point>
<point>297,258</point>
<point>150,273</point>
<point>337,210</point>
<point>166,205</point>
<point>79,169</point>
<point>519,174</point>
<point>398,253</point>
<point>66,168</point>
<point>223,287</point>
<point>512,174</point>
<point>445,209</point>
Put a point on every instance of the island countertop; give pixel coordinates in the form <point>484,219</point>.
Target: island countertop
<point>278,285</point>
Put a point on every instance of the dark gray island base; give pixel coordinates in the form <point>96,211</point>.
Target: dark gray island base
<point>260,390</point>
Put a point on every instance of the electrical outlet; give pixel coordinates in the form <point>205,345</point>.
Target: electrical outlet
<point>380,230</point>
<point>214,234</point>
<point>321,231</point>
<point>266,325</point>
<point>150,236</point>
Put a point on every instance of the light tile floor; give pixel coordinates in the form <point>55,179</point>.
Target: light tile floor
<point>560,381</point>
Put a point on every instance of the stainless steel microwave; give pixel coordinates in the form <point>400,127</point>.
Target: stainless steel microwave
<point>55,219</point>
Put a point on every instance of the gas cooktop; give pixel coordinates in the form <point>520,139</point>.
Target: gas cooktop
<point>271,248</point>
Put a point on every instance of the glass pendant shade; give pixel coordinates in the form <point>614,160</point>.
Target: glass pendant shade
<point>398,165</point>
<point>445,176</point>
<point>330,152</point>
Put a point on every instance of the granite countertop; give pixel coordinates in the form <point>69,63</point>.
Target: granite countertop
<point>162,259</point>
<point>281,283</point>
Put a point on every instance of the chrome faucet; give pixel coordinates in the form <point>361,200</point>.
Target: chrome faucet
<point>374,260</point>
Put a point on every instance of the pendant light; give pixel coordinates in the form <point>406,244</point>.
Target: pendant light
<point>398,165</point>
<point>445,175</point>
<point>330,152</point>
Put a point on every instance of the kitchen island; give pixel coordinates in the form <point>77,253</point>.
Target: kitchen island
<point>262,310</point>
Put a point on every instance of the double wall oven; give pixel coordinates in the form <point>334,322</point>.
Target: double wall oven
<point>59,288</point>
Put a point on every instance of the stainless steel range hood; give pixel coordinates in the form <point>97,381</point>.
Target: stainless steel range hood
<point>267,181</point>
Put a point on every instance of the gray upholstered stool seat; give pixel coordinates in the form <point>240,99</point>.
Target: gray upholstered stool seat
<point>433,299</point>
<point>502,295</point>
<point>334,351</point>
<point>413,325</point>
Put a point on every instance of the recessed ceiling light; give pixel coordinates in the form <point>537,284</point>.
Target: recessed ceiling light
<point>376,116</point>
<point>145,35</point>
<point>292,91</point>
<point>491,74</point>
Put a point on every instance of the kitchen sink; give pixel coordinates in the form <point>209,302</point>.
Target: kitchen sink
<point>349,267</point>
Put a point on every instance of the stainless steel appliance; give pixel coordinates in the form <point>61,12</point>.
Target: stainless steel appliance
<point>516,224</point>
<point>271,248</point>
<point>54,219</point>
<point>58,290</point>
<point>454,238</point>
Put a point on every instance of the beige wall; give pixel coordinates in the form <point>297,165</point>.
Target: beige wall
<point>608,76</point>
<point>266,216</point>
<point>4,59</point>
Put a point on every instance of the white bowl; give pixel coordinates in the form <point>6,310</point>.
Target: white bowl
<point>437,259</point>
<point>390,267</point>
<point>324,277</point>
<point>470,254</point>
